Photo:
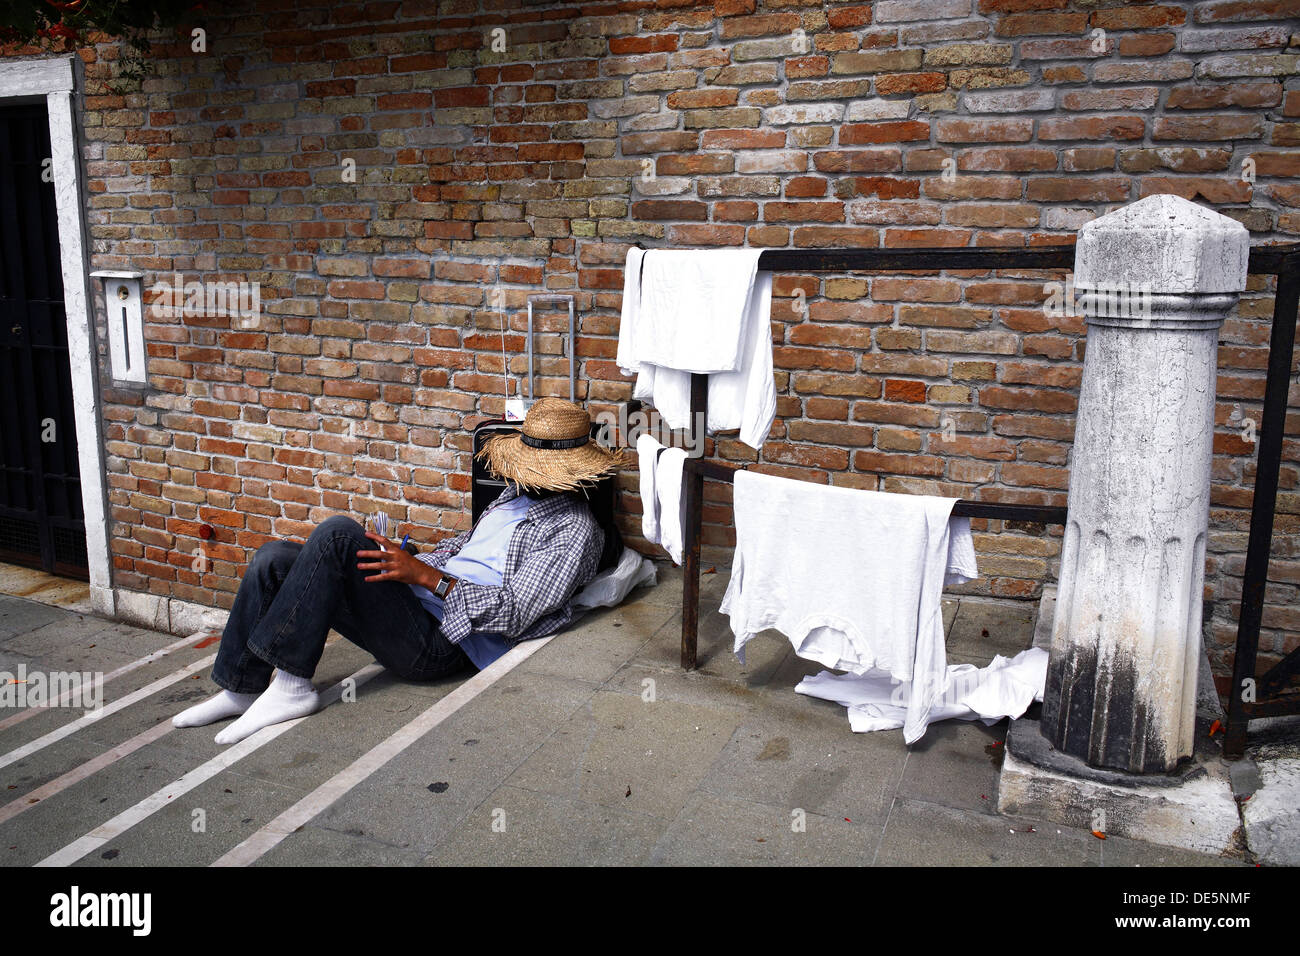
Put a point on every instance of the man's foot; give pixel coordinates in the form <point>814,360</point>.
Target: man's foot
<point>223,705</point>
<point>287,698</point>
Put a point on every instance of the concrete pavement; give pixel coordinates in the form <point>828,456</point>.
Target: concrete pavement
<point>595,749</point>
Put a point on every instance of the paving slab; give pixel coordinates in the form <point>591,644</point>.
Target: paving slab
<point>601,642</point>
<point>333,738</point>
<point>920,833</point>
<point>622,750</point>
<point>199,826</point>
<point>598,749</point>
<point>421,795</point>
<point>55,823</point>
<point>764,653</point>
<point>18,616</point>
<point>519,827</point>
<point>794,753</point>
<point>983,628</point>
<point>720,831</point>
<point>956,764</point>
<point>317,846</point>
<point>35,585</point>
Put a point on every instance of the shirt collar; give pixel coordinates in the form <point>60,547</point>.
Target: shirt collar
<point>541,508</point>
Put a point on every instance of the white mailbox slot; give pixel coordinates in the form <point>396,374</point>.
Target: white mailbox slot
<point>125,324</point>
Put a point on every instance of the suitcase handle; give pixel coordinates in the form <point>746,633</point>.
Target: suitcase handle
<point>573,359</point>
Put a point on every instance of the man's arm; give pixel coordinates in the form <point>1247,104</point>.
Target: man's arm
<point>391,563</point>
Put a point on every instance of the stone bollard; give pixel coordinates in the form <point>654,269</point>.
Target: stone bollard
<point>1158,277</point>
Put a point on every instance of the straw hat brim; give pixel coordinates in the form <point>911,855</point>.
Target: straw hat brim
<point>549,469</point>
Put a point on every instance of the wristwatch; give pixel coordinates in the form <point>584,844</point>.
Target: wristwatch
<point>443,587</point>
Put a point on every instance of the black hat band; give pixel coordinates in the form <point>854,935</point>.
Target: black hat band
<point>554,443</point>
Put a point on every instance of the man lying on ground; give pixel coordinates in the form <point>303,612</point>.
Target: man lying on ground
<point>463,604</point>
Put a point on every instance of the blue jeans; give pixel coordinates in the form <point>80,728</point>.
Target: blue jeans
<point>293,594</point>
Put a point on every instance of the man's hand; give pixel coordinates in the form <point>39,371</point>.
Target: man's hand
<point>394,564</point>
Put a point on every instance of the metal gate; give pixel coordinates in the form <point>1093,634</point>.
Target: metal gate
<point>41,520</point>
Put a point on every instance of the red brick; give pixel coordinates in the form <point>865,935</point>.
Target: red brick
<point>662,43</point>
<point>803,211</point>
<point>857,134</point>
<point>894,83</point>
<point>670,209</point>
<point>698,99</point>
<point>846,18</point>
<point>802,187</point>
<point>904,390</point>
<point>1091,127</point>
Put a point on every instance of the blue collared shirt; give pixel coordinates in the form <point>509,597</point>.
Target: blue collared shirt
<point>541,553</point>
<point>481,561</point>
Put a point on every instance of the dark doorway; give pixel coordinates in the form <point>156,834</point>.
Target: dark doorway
<point>41,520</point>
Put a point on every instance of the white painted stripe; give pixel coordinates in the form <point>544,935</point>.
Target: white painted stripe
<point>152,804</point>
<point>124,669</point>
<point>331,790</point>
<point>77,774</point>
<point>95,716</point>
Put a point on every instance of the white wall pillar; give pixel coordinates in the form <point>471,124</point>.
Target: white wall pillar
<point>56,80</point>
<point>1159,275</point>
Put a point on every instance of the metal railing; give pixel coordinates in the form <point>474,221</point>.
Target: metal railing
<point>1270,697</point>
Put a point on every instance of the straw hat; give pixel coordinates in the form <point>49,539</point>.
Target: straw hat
<point>555,451</point>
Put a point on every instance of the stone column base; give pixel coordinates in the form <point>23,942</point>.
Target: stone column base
<point>1193,809</point>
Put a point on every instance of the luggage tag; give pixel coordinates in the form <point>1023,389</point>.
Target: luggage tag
<point>515,409</point>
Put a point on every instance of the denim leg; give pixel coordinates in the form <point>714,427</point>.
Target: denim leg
<point>324,589</point>
<point>238,669</point>
<point>400,632</point>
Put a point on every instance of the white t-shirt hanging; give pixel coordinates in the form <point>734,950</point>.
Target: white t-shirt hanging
<point>853,578</point>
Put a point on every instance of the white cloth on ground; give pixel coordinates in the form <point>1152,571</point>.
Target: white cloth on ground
<point>853,578</point>
<point>1005,688</point>
<point>611,586</point>
<point>743,397</point>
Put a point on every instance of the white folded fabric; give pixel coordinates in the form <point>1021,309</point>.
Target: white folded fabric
<point>662,516</point>
<point>1005,688</point>
<point>692,310</point>
<point>647,454</point>
<point>962,566</point>
<point>853,578</point>
<point>668,485</point>
<point>669,324</point>
<point>628,324</point>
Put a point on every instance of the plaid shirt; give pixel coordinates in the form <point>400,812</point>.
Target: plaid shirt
<point>553,552</point>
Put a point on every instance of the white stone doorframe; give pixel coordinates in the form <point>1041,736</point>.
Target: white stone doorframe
<point>55,79</point>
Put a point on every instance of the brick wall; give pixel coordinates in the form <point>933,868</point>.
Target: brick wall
<point>483,175</point>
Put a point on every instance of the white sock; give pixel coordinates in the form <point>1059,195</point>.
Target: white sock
<point>287,698</point>
<point>223,705</point>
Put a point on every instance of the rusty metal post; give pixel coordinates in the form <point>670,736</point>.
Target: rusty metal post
<point>693,494</point>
